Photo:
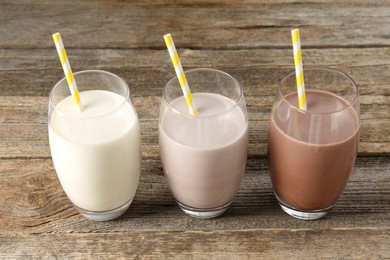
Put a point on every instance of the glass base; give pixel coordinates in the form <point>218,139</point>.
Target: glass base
<point>303,214</point>
<point>203,213</point>
<point>105,215</point>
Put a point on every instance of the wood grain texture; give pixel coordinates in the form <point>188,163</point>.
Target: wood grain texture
<point>118,24</point>
<point>250,244</point>
<point>248,39</point>
<point>24,109</point>
<point>33,202</point>
<point>24,120</point>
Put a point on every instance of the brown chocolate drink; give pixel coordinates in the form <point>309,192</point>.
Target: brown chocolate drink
<point>312,154</point>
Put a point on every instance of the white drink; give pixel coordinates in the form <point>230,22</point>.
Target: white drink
<point>96,153</point>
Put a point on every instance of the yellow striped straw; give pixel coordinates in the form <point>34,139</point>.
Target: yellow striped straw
<point>67,70</point>
<point>299,69</point>
<point>180,74</point>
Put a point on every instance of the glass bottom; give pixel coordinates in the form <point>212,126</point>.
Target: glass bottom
<point>104,215</point>
<point>203,213</point>
<point>303,214</point>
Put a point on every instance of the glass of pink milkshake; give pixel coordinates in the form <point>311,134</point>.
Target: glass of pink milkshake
<point>312,153</point>
<point>204,156</point>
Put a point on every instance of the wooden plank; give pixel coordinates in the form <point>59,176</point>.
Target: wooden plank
<point>46,59</point>
<point>26,128</point>
<point>33,202</point>
<point>24,120</point>
<point>196,25</point>
<point>195,2</point>
<point>270,244</point>
<point>260,75</point>
<point>146,72</point>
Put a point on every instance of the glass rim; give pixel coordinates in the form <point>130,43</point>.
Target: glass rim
<point>58,84</point>
<point>317,68</point>
<point>199,116</point>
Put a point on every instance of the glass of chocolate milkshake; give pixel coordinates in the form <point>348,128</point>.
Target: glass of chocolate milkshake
<point>312,153</point>
<point>204,155</point>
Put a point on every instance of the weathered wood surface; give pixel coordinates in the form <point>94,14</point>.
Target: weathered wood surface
<point>200,24</point>
<point>38,219</point>
<point>251,41</point>
<point>24,102</point>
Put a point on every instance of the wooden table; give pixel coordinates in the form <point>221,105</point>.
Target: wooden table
<point>251,41</point>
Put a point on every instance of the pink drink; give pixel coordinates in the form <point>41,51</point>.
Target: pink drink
<point>204,158</point>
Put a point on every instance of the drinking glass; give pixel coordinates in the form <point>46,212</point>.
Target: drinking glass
<point>312,153</point>
<point>96,153</point>
<point>204,156</point>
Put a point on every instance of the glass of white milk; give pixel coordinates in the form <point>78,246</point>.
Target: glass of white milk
<point>96,153</point>
<point>204,156</point>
